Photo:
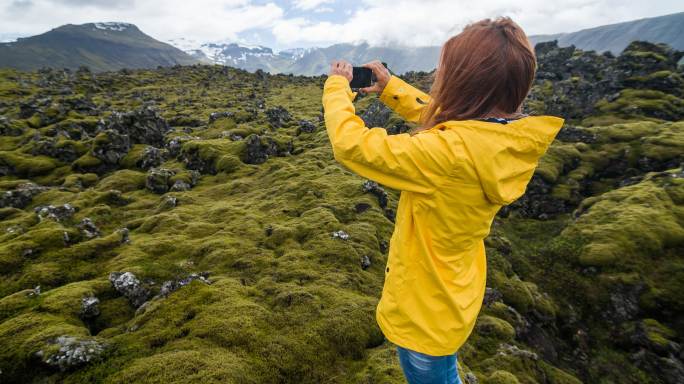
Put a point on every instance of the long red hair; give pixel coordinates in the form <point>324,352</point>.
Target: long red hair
<point>485,71</point>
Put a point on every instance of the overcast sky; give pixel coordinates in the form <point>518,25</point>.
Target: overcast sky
<point>304,23</point>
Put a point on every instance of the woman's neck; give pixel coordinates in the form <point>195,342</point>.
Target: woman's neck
<point>503,115</point>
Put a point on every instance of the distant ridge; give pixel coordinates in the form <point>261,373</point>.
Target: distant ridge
<point>100,46</point>
<point>668,29</point>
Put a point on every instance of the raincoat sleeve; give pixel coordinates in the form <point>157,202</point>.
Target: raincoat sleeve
<point>404,99</point>
<point>417,163</point>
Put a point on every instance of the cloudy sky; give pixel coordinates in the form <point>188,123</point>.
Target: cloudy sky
<point>303,23</point>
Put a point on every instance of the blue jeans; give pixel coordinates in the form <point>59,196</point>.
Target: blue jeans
<point>420,368</point>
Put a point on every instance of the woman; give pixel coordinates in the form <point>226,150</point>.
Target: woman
<point>473,152</point>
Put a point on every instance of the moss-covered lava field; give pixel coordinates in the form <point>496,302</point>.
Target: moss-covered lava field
<point>190,225</point>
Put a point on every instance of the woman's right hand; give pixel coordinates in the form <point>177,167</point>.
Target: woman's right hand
<point>382,77</point>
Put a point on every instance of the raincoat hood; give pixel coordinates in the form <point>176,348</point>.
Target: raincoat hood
<point>505,155</point>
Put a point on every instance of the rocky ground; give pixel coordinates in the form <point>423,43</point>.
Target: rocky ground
<point>190,224</point>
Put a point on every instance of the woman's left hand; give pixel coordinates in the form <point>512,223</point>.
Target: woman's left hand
<point>342,68</point>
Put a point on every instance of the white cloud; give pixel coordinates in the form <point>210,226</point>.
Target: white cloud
<point>324,10</point>
<point>430,22</point>
<point>415,22</point>
<point>310,4</point>
<point>205,20</point>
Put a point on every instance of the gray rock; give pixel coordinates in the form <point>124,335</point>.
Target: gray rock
<point>55,212</point>
<point>470,378</point>
<point>159,179</point>
<point>624,303</point>
<point>88,228</point>
<point>21,196</point>
<point>508,349</point>
<point>151,157</point>
<point>48,147</point>
<point>342,235</point>
<point>72,352</point>
<point>7,129</point>
<point>90,307</point>
<point>376,115</point>
<point>375,189</point>
<point>278,116</point>
<point>180,186</point>
<point>361,207</point>
<point>128,285</point>
<point>172,285</point>
<point>365,262</point>
<point>110,147</point>
<point>143,126</point>
<point>35,291</point>
<point>306,126</point>
<point>219,115</point>
<point>174,145</point>
<point>125,239</point>
<point>260,148</point>
<point>491,295</point>
<point>168,202</point>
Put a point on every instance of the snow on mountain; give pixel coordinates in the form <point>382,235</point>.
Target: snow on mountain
<point>113,26</point>
<point>296,53</point>
<point>250,57</point>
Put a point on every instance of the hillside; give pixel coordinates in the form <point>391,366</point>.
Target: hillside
<point>190,225</point>
<point>99,46</point>
<point>668,29</point>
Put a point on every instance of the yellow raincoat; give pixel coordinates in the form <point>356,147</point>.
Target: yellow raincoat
<point>453,179</point>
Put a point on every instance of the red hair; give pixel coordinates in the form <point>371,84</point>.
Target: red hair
<point>484,71</point>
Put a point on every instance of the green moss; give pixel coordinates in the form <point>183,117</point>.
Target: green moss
<point>26,334</point>
<point>228,163</point>
<point>124,180</point>
<point>557,376</point>
<point>556,161</point>
<point>86,163</point>
<point>626,131</point>
<point>218,129</point>
<point>381,366</point>
<point>657,333</point>
<point>650,103</point>
<point>133,156</point>
<point>516,293</point>
<point>79,180</point>
<point>501,377</point>
<point>205,365</point>
<point>494,327</point>
<point>627,224</point>
<point>27,165</point>
<point>34,121</point>
<point>213,152</point>
<point>66,300</point>
<point>12,304</point>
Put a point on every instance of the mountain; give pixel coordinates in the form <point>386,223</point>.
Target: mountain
<point>399,59</point>
<point>100,46</point>
<point>667,29</point>
<point>249,57</point>
<point>190,224</point>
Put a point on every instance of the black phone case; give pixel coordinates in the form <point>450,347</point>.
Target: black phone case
<point>361,77</point>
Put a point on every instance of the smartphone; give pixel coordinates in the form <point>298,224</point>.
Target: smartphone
<point>361,77</point>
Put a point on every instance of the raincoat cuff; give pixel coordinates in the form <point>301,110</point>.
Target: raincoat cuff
<point>337,82</point>
<point>394,87</point>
